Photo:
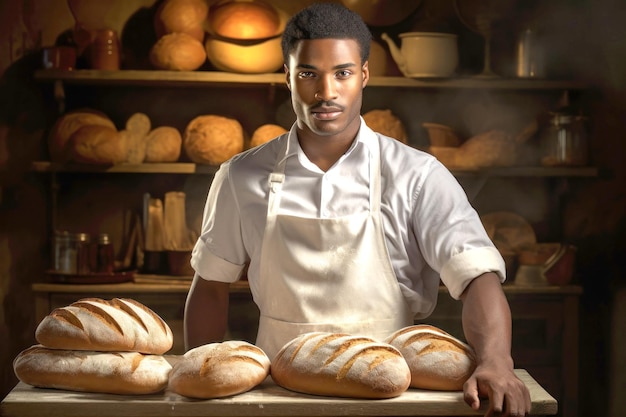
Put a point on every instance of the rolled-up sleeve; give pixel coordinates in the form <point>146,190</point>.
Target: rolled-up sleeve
<point>461,269</point>
<point>451,235</point>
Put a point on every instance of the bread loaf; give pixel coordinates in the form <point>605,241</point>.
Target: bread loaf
<point>182,16</point>
<point>211,139</point>
<point>494,148</point>
<point>66,125</point>
<point>177,52</point>
<point>219,370</point>
<point>244,19</point>
<point>88,371</point>
<point>385,122</point>
<point>335,364</point>
<point>138,126</point>
<point>98,145</point>
<point>105,325</point>
<point>437,360</point>
<point>265,133</point>
<point>163,144</point>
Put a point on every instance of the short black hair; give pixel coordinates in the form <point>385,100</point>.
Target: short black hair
<point>326,21</point>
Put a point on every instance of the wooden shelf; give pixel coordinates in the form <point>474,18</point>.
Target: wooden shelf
<point>191,168</point>
<point>216,78</point>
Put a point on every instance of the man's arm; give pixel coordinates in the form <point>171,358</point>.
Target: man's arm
<point>487,326</point>
<point>206,312</point>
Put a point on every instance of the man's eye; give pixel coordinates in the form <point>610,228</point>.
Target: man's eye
<point>344,74</point>
<point>306,74</point>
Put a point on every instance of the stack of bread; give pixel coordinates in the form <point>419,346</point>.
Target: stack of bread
<point>179,25</point>
<point>95,345</point>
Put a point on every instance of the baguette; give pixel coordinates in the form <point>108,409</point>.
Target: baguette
<point>437,360</point>
<point>88,371</point>
<point>105,325</point>
<point>219,370</point>
<point>341,365</point>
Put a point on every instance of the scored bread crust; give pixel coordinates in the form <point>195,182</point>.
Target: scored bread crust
<point>437,360</point>
<point>119,324</point>
<point>219,370</point>
<point>89,371</point>
<point>341,365</point>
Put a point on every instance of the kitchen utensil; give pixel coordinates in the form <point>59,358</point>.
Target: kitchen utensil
<point>176,233</point>
<point>425,54</point>
<point>480,16</point>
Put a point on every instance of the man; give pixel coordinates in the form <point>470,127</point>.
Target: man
<point>345,229</point>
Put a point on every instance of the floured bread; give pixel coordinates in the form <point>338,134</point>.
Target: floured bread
<point>105,325</point>
<point>341,365</point>
<point>219,370</point>
<point>88,371</point>
<point>437,360</point>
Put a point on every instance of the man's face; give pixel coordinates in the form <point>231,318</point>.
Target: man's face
<point>326,80</point>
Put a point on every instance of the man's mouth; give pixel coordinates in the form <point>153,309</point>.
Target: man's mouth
<point>326,112</point>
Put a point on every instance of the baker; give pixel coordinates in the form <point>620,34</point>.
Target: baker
<point>344,229</point>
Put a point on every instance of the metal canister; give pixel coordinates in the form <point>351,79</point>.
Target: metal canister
<point>529,55</point>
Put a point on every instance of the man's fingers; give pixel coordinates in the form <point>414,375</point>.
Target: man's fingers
<point>470,393</point>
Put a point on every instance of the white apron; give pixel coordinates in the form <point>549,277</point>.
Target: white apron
<point>326,274</point>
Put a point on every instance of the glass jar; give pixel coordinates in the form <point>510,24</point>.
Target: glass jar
<point>83,254</point>
<point>106,254</point>
<point>105,50</point>
<point>564,141</point>
<point>64,253</point>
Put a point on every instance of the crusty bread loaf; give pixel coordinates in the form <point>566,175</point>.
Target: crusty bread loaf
<point>247,19</point>
<point>98,145</point>
<point>211,139</point>
<point>182,16</point>
<point>88,371</point>
<point>164,144</point>
<point>265,133</point>
<point>119,324</point>
<point>342,365</point>
<point>437,360</point>
<point>177,52</point>
<point>494,148</point>
<point>385,122</point>
<point>219,370</point>
<point>66,125</point>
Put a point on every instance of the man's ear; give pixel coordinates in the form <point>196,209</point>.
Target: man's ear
<point>365,70</point>
<point>287,76</point>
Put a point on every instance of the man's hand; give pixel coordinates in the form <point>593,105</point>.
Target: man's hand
<point>507,394</point>
<point>487,327</point>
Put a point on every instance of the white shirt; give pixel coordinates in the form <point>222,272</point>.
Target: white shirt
<point>431,229</point>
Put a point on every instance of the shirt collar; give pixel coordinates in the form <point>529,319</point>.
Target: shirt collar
<point>365,136</point>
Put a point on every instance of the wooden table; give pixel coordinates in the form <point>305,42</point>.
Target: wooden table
<point>265,400</point>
